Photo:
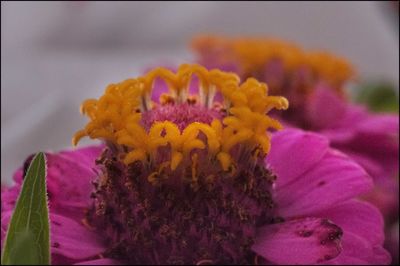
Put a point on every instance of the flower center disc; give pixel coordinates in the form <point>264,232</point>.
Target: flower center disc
<point>174,223</point>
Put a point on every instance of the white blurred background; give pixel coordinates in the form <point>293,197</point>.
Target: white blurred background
<point>56,54</point>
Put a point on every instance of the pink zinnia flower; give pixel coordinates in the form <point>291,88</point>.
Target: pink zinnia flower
<point>189,180</point>
<point>313,83</point>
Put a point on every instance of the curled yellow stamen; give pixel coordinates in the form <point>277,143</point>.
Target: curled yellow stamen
<point>117,115</point>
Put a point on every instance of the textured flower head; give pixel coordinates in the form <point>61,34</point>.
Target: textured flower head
<point>196,156</point>
<point>275,61</point>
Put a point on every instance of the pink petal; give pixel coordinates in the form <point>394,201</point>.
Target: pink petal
<point>84,156</point>
<point>72,240</point>
<point>300,241</point>
<point>362,225</point>
<point>325,101</point>
<point>69,176</point>
<point>382,165</point>
<point>353,115</point>
<point>357,217</point>
<point>370,142</point>
<point>357,250</point>
<point>338,135</point>
<point>334,179</point>
<point>370,135</point>
<point>371,166</point>
<point>293,152</point>
<point>104,261</point>
<point>380,124</point>
<point>69,179</point>
<point>9,197</point>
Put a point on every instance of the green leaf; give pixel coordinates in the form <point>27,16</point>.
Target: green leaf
<point>378,96</point>
<point>28,237</point>
<point>25,250</point>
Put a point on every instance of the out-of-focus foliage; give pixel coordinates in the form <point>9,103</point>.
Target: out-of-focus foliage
<point>378,96</point>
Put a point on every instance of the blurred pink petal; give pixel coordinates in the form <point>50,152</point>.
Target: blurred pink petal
<point>324,108</point>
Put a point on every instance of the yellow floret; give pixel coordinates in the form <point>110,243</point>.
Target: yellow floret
<point>116,117</point>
